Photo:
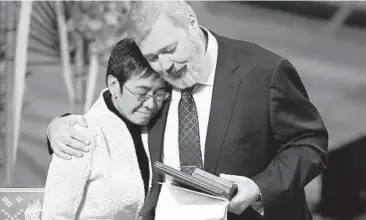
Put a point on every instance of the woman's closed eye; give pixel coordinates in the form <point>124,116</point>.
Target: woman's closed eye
<point>141,94</point>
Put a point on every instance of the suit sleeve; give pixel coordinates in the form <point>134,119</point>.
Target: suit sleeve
<point>66,180</point>
<point>50,151</point>
<point>299,131</point>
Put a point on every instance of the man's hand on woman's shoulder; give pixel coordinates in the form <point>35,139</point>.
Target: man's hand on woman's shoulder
<point>66,141</point>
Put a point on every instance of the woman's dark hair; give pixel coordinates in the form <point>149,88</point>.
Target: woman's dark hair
<point>127,60</point>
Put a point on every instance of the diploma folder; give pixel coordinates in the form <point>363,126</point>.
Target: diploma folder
<point>199,180</point>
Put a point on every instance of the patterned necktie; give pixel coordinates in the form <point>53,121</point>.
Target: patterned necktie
<point>189,136</point>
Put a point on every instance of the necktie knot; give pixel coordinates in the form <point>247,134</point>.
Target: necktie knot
<point>188,91</point>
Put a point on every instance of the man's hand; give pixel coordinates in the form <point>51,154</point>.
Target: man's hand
<point>248,192</point>
<point>65,140</point>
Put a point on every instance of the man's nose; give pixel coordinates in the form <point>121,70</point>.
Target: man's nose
<point>166,64</point>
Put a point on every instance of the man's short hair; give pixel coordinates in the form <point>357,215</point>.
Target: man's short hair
<point>127,60</point>
<point>143,15</point>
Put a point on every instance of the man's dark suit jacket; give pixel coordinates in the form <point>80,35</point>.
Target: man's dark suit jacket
<point>262,126</point>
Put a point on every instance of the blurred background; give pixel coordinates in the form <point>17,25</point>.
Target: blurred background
<point>53,59</point>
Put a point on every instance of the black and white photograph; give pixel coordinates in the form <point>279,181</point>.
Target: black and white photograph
<point>182,110</point>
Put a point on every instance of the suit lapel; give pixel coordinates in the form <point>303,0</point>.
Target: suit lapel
<point>155,142</point>
<point>223,100</point>
<point>156,134</point>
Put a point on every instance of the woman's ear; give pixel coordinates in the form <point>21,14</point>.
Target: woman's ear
<point>113,86</point>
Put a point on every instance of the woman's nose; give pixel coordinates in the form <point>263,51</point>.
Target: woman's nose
<point>150,104</point>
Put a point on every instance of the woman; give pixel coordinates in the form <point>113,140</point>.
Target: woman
<point>112,180</point>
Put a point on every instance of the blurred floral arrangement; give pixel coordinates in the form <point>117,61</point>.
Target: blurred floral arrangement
<point>96,22</point>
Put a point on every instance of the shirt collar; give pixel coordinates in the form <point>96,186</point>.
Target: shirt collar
<point>211,54</point>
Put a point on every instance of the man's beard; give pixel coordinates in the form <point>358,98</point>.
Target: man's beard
<point>188,78</point>
<point>194,73</point>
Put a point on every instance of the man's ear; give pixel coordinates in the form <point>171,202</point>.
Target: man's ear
<point>192,22</point>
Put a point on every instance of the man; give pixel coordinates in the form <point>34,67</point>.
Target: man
<point>249,116</point>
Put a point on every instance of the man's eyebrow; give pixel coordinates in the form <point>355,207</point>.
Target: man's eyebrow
<point>162,49</point>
